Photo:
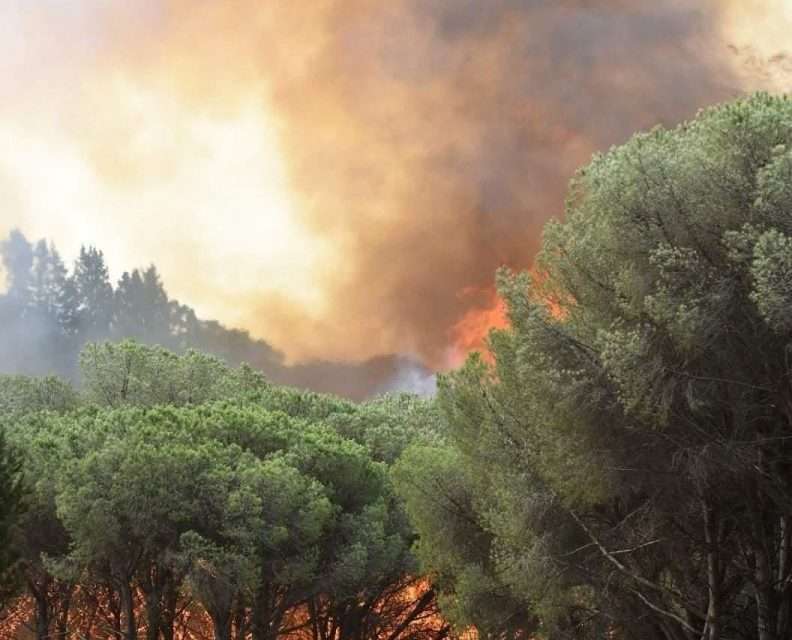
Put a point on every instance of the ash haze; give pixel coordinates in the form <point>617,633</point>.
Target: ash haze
<point>342,177</point>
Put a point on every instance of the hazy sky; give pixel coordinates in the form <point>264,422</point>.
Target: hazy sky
<point>342,177</point>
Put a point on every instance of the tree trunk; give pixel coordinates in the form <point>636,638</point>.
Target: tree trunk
<point>262,613</point>
<point>128,607</point>
<point>153,614</point>
<point>764,596</point>
<point>713,572</point>
<point>312,611</point>
<point>240,626</point>
<point>42,616</point>
<point>114,606</point>
<point>170,600</point>
<point>40,590</point>
<point>782,623</point>
<point>221,622</point>
<point>88,624</point>
<point>62,622</point>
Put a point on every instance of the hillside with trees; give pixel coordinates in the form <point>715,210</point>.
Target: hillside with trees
<point>49,312</point>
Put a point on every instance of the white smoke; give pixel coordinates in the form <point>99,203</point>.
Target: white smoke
<point>414,379</point>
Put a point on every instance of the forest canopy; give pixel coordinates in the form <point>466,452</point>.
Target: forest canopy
<point>172,483</point>
<point>621,468</point>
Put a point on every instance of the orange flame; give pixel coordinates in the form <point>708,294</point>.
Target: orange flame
<point>471,331</point>
<point>489,311</point>
<point>90,614</point>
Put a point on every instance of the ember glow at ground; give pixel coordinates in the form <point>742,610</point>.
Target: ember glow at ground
<point>343,178</point>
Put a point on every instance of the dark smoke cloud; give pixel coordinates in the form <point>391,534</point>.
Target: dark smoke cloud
<point>432,139</point>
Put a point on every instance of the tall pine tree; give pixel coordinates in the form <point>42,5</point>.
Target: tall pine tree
<point>94,295</point>
<point>142,309</point>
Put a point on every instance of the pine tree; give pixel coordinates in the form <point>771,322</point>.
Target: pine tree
<point>48,275</point>
<point>94,295</point>
<point>142,309</point>
<point>17,257</point>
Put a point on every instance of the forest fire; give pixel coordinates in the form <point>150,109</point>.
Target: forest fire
<point>81,612</point>
<point>271,433</point>
<point>470,332</point>
<point>440,161</point>
<point>488,312</point>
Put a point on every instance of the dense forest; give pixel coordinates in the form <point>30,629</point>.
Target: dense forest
<point>49,312</point>
<point>174,490</point>
<point>618,465</point>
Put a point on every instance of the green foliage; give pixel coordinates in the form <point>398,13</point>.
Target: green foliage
<point>20,395</point>
<point>772,274</point>
<point>625,458</point>
<point>129,373</point>
<point>388,424</point>
<point>446,501</point>
<point>11,507</point>
<point>175,473</point>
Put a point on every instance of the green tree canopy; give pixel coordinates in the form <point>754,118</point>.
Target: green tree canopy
<point>174,478</point>
<point>629,447</point>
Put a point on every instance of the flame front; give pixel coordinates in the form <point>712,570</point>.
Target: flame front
<point>471,331</point>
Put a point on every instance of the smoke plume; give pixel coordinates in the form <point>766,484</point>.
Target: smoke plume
<point>420,144</point>
<point>431,140</point>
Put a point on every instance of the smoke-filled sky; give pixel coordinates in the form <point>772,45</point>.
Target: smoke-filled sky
<point>342,177</point>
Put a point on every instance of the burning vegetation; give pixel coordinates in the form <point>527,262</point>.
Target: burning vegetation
<point>595,446</point>
<point>404,610</point>
<point>617,465</point>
